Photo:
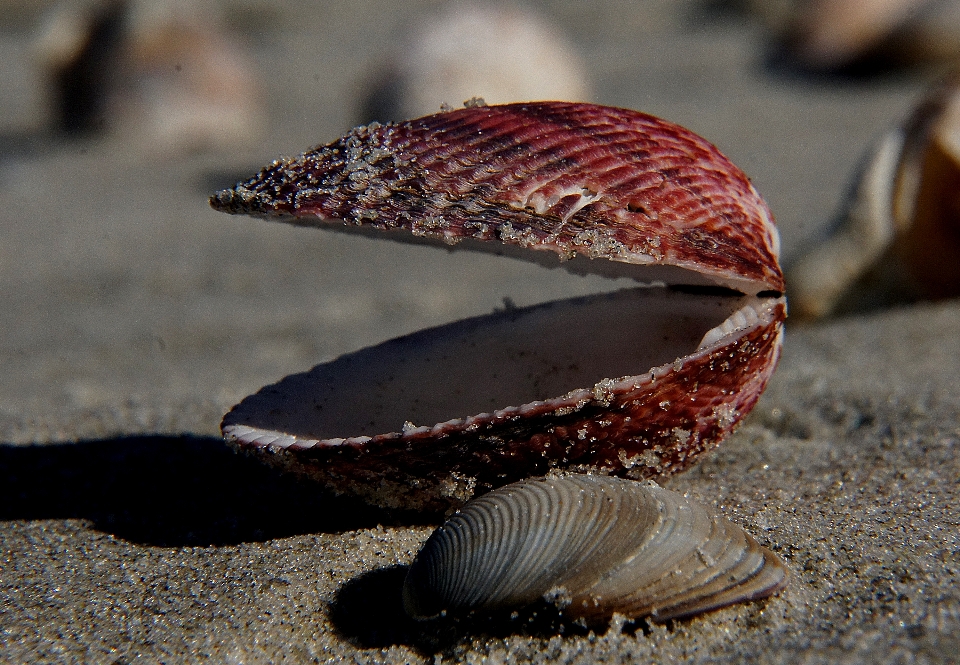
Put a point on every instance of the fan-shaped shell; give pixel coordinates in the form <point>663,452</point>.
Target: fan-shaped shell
<point>635,383</point>
<point>594,545</point>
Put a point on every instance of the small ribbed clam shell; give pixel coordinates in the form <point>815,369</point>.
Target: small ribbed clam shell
<point>595,546</point>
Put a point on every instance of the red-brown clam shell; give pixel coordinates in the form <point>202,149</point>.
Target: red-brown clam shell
<point>634,383</point>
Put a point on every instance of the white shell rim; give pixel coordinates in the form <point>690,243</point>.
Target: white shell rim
<point>756,313</point>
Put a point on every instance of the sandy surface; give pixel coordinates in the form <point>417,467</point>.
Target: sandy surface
<point>134,316</point>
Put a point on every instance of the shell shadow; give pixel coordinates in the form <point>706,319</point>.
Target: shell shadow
<point>171,491</point>
<point>368,613</point>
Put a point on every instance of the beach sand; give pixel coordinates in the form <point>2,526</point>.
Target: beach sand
<point>134,316</point>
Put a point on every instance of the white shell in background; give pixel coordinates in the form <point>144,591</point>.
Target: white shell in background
<point>494,50</point>
<point>594,546</point>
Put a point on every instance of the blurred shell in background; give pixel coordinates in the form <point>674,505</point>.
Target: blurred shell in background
<point>166,73</point>
<point>898,238</point>
<point>498,51</point>
<point>832,35</point>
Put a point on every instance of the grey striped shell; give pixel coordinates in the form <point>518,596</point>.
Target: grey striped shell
<point>594,546</point>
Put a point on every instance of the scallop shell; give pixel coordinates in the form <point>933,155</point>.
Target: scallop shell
<point>898,235</point>
<point>636,383</point>
<point>593,545</point>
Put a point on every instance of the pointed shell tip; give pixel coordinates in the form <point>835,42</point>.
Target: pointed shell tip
<point>236,200</point>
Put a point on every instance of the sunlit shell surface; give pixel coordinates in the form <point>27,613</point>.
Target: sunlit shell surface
<point>637,382</point>
<point>593,545</point>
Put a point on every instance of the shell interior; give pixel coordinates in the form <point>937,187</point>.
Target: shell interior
<point>482,365</point>
<point>594,545</point>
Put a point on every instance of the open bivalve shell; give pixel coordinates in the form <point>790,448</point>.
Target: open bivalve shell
<point>636,383</point>
<point>592,545</point>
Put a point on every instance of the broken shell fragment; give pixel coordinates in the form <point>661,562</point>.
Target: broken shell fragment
<point>634,383</point>
<point>898,236</point>
<point>592,545</point>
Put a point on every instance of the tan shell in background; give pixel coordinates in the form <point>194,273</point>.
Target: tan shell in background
<point>636,383</point>
<point>593,546</point>
<point>837,35</point>
<point>169,76</point>
<point>898,238</point>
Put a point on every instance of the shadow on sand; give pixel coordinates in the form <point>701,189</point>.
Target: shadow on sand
<point>171,491</point>
<point>368,613</point>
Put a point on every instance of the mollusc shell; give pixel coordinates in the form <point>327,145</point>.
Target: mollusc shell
<point>579,181</point>
<point>593,545</point>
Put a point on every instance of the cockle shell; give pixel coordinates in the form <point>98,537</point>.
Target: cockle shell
<point>898,236</point>
<point>593,545</point>
<point>635,383</point>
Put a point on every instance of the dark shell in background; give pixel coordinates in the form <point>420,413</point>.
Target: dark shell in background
<point>428,420</point>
